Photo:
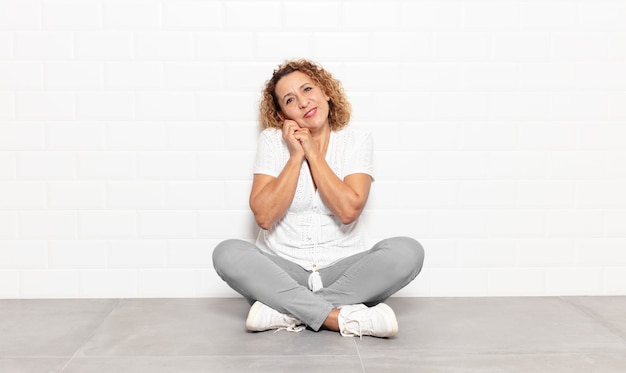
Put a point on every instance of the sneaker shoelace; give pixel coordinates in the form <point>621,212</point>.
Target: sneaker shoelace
<point>291,328</point>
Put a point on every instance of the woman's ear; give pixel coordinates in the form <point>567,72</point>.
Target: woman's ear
<point>280,115</point>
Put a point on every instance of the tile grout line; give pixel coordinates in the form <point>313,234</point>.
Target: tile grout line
<point>358,353</point>
<point>93,332</point>
<point>590,313</point>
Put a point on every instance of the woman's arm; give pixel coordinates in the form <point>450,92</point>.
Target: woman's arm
<point>345,198</point>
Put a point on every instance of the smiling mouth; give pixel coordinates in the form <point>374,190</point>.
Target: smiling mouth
<point>310,113</point>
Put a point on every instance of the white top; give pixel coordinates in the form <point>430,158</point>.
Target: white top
<point>309,234</point>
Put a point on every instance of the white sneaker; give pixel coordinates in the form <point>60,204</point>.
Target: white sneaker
<point>262,317</point>
<point>360,320</point>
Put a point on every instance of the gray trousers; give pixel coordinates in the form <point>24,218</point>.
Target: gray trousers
<point>369,277</point>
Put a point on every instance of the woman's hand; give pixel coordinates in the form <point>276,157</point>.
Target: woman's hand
<point>290,128</point>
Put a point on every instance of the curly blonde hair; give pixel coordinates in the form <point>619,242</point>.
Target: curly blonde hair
<point>339,107</point>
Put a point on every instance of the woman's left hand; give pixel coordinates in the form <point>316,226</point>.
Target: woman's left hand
<point>306,140</point>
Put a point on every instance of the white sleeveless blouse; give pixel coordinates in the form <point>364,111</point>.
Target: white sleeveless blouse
<point>309,234</point>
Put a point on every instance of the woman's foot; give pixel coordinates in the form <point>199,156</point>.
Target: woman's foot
<point>360,320</point>
<point>262,318</point>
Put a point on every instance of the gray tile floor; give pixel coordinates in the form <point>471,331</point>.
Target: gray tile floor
<point>546,334</point>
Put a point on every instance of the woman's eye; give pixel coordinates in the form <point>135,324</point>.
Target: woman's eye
<point>289,100</point>
<point>306,89</point>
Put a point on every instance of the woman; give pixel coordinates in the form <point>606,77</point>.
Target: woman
<point>310,265</point>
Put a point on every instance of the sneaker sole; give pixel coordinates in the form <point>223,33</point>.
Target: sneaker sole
<point>252,315</point>
<point>390,316</point>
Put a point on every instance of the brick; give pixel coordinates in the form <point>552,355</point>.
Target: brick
<point>401,46</point>
<point>248,15</point>
<point>135,195</point>
<point>168,283</point>
<point>109,283</point>
<point>549,16</point>
<point>600,252</point>
<point>77,254</point>
<point>522,46</point>
<point>48,283</point>
<point>237,195</point>
<point>332,46</point>
<point>107,224</point>
<point>602,76</point>
<point>458,281</point>
<point>546,194</point>
<point>192,14</point>
<point>105,106</point>
<point>617,111</point>
<point>74,75</point>
<point>22,136</point>
<point>165,165</point>
<point>7,106</point>
<point>107,165</point>
<point>136,254</point>
<point>418,195</point>
<point>194,76</point>
<point>71,14</point>
<point>457,165</point>
<point>616,161</point>
<point>407,106</point>
<point>492,253</point>
<point>548,136</point>
<point>548,76</point>
<point>197,195</point>
<point>134,75</point>
<point>371,16</point>
<point>327,16</point>
<point>487,194</point>
<point>574,223</point>
<point>44,44</point>
<point>81,136</point>
<point>458,223</point>
<point>200,136</point>
<point>23,254</point>
<point>46,166</point>
<point>601,136</point>
<point>517,165</point>
<point>20,14</point>
<point>574,281</point>
<point>580,46</point>
<point>228,106</point>
<point>7,166</point>
<point>615,223</point>
<point>520,106</point>
<point>165,106</point>
<point>136,135</point>
<point>577,165</point>
<point>544,252</point>
<point>516,282</point>
<point>21,75</point>
<point>614,281</point>
<point>168,224</point>
<point>22,195</point>
<point>103,44</point>
<point>45,105</point>
<point>226,224</point>
<point>616,42</point>
<point>211,168</point>
<point>48,225</point>
<point>516,223</point>
<point>601,194</point>
<point>280,46</point>
<point>432,16</point>
<point>602,16</point>
<point>460,106</point>
<point>6,44</point>
<point>492,16</point>
<point>122,14</point>
<point>462,46</point>
<point>9,284</point>
<point>225,45</point>
<point>482,136</point>
<point>190,253</point>
<point>164,45</point>
<point>76,195</point>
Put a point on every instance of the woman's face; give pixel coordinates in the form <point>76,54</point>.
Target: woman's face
<point>302,100</point>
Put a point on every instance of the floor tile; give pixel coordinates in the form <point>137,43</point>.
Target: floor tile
<point>32,365</point>
<point>492,325</point>
<point>207,327</point>
<point>48,328</point>
<point>510,363</point>
<point>609,310</point>
<point>217,364</point>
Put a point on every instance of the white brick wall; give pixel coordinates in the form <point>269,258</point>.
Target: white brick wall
<point>128,131</point>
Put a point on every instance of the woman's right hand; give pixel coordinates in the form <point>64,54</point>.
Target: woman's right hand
<point>293,144</point>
